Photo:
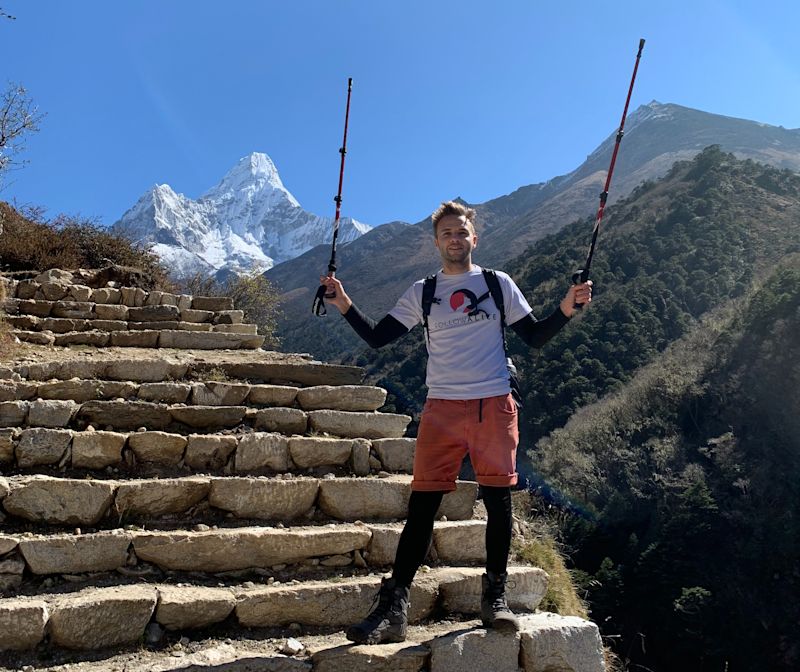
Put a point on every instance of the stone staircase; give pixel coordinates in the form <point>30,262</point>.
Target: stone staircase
<point>173,497</point>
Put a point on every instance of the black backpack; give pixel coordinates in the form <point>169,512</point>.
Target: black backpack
<point>490,276</point>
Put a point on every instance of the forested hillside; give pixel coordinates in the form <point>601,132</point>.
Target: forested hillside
<point>685,492</point>
<point>672,251</point>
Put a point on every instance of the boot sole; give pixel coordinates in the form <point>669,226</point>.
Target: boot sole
<point>387,638</point>
<point>502,624</point>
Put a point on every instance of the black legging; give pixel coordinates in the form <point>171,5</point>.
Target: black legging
<point>418,532</point>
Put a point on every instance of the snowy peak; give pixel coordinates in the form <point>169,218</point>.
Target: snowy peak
<point>248,220</point>
<point>255,173</point>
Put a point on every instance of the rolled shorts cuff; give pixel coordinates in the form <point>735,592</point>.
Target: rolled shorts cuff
<point>498,481</point>
<point>432,486</point>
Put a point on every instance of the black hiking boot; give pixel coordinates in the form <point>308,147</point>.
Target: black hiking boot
<point>494,610</point>
<point>388,621</point>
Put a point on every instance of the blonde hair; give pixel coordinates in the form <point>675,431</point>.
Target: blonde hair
<point>453,208</point>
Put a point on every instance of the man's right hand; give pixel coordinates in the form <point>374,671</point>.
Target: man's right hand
<point>340,298</point>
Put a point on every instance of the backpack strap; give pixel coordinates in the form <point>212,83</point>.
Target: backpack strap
<point>493,284</point>
<point>428,299</point>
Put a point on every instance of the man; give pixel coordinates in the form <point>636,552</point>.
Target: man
<point>469,408</point>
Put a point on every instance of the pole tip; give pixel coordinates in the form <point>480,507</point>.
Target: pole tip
<point>641,44</point>
<point>350,79</point>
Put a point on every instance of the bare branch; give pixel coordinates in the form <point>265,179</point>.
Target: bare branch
<point>18,117</point>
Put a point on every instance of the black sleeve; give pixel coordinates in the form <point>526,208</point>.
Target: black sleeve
<point>375,334</point>
<point>537,333</point>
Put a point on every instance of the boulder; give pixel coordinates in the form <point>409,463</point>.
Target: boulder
<point>208,417</point>
<point>317,451</point>
<point>157,447</point>
<point>22,623</point>
<point>154,497</point>
<point>80,293</point>
<point>51,412</point>
<point>272,395</point>
<point>58,501</point>
<point>219,394</point>
<point>359,425</point>
<point>563,643</point>
<point>98,618</point>
<point>55,275</point>
<point>396,454</point>
<point>243,548</point>
<point>26,289</point>
<point>261,450</point>
<point>76,554</point>
<point>125,414</point>
<point>168,393</point>
<point>42,446</point>
<point>267,499</point>
<point>96,450</point>
<point>53,291</point>
<point>341,397</point>
<point>283,420</point>
<point>209,452</point>
<point>189,607</point>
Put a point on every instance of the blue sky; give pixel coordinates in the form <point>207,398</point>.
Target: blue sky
<point>450,98</point>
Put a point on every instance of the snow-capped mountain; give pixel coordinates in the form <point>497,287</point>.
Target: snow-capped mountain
<point>249,220</point>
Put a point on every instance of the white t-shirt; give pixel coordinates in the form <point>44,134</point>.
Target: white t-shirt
<point>465,353</point>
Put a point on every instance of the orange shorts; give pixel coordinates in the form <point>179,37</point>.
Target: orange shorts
<point>449,429</point>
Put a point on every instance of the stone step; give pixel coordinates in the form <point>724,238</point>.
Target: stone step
<point>29,293</point>
<point>148,369</point>
<point>208,393</point>
<point>62,325</point>
<point>167,338</point>
<point>139,553</point>
<point>165,453</point>
<point>47,500</point>
<point>95,618</point>
<point>545,642</point>
<point>187,419</point>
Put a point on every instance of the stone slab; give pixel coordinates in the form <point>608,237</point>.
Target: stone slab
<point>208,417</point>
<point>551,642</point>
<point>262,450</point>
<point>267,499</point>
<point>359,424</point>
<point>272,395</point>
<point>102,617</point>
<point>22,623</point>
<point>283,420</point>
<point>396,454</point>
<point>159,497</point>
<point>245,548</point>
<point>475,649</point>
<point>341,397</point>
<point>209,452</point>
<point>314,451</point>
<point>76,554</point>
<point>157,447</point>
<point>219,394</point>
<point>125,414</point>
<point>59,501</point>
<point>190,607</point>
<point>167,393</point>
<point>96,450</point>
<point>39,446</point>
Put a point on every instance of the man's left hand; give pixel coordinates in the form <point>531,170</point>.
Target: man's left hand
<point>577,294</point>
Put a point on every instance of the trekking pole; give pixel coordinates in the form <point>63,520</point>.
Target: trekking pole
<point>318,308</point>
<point>582,275</point>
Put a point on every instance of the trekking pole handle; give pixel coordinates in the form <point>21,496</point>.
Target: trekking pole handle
<point>331,295</point>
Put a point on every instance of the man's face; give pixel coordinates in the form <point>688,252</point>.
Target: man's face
<point>455,238</point>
